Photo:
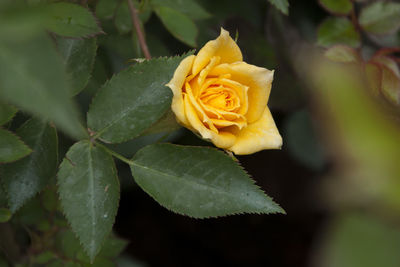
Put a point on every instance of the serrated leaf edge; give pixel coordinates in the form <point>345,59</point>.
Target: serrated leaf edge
<point>332,12</point>
<point>39,191</point>
<point>12,115</point>
<point>64,161</point>
<point>22,142</point>
<point>253,182</point>
<point>106,83</point>
<point>97,21</point>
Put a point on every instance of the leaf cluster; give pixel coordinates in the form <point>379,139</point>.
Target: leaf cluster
<point>354,30</point>
<point>59,183</point>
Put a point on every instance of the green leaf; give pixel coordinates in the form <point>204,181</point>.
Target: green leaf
<point>281,5</point>
<point>178,24</point>
<point>166,124</point>
<point>67,243</point>
<point>45,257</point>
<point>23,179</point>
<point>20,22</point>
<point>380,17</point>
<point>32,213</point>
<point>132,100</point>
<point>49,199</point>
<point>11,147</point>
<point>384,76</point>
<point>112,247</point>
<point>78,55</point>
<point>7,112</point>
<point>32,77</point>
<point>338,31</point>
<point>105,9</point>
<point>342,53</point>
<point>340,7</point>
<point>70,20</point>
<point>199,182</point>
<point>101,262</point>
<point>302,141</point>
<point>188,7</point>
<point>89,194</point>
<point>5,215</point>
<point>123,19</point>
<point>390,85</point>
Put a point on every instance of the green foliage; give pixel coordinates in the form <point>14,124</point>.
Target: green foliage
<point>105,9</point>
<point>5,215</point>
<point>342,53</point>
<point>6,113</point>
<point>357,119</point>
<point>281,5</point>
<point>78,55</point>
<point>11,147</point>
<point>89,194</point>
<point>123,19</point>
<point>20,23</point>
<point>388,79</point>
<point>380,17</point>
<point>24,178</point>
<point>132,100</point>
<point>189,181</point>
<point>70,20</point>
<point>188,7</point>
<point>352,235</point>
<point>178,24</point>
<point>166,124</point>
<point>29,73</point>
<point>341,7</point>
<point>338,31</point>
<point>67,244</point>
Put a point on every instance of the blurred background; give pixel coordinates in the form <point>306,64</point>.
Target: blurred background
<point>335,99</point>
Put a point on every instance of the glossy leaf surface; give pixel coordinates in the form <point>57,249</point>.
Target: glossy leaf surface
<point>199,182</point>
<point>132,100</point>
<point>11,147</point>
<point>89,194</point>
<point>24,178</point>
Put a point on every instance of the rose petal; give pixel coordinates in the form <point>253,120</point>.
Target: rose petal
<point>224,46</point>
<point>204,72</point>
<point>240,123</point>
<point>221,139</point>
<point>176,86</point>
<point>242,92</point>
<point>259,81</point>
<point>198,109</point>
<point>257,136</point>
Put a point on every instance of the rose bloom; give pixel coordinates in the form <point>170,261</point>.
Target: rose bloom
<point>224,100</point>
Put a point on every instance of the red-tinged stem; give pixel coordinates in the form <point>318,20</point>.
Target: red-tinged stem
<point>138,29</point>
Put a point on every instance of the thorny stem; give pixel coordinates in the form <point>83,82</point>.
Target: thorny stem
<point>138,30</point>
<point>115,154</point>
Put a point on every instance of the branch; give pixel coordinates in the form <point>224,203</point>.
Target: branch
<point>138,29</point>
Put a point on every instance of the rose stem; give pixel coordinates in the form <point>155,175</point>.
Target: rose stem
<point>138,30</point>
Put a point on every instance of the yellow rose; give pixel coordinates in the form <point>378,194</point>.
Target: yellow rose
<point>224,99</point>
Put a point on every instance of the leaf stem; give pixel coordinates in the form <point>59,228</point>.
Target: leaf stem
<point>138,30</point>
<point>115,154</point>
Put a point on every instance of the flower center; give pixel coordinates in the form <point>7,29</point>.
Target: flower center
<point>220,97</point>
